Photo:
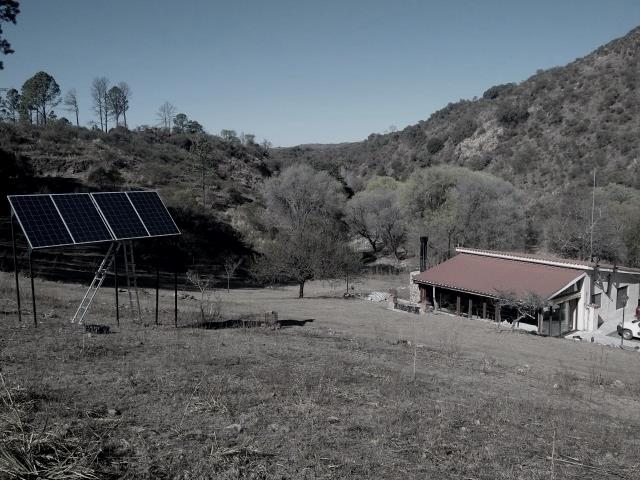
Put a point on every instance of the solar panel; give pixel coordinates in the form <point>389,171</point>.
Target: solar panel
<point>153,213</point>
<point>82,217</point>
<point>120,215</point>
<point>40,221</point>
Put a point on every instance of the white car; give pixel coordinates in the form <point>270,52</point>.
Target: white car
<point>630,329</point>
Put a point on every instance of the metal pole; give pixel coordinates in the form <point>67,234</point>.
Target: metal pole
<point>593,208</point>
<point>175,299</point>
<point>157,289</point>
<point>15,267</point>
<point>33,294</point>
<point>624,306</point>
<point>115,282</point>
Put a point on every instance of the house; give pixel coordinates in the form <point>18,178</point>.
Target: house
<point>563,295</point>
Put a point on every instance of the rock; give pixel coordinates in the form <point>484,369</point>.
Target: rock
<point>618,384</point>
<point>113,412</point>
<point>235,427</point>
<point>333,419</point>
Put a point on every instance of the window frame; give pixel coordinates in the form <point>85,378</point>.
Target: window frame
<point>619,291</point>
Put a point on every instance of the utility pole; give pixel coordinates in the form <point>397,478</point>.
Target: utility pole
<point>593,208</point>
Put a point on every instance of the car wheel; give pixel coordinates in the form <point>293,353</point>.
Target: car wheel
<point>627,335</point>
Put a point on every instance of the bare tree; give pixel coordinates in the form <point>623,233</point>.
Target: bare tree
<point>99,93</point>
<point>71,104</point>
<point>125,90</point>
<point>527,305</point>
<point>165,115</point>
<point>303,210</point>
<point>230,266</point>
<point>208,308</point>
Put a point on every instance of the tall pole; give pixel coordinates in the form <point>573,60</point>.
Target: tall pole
<point>157,289</point>
<point>175,298</point>
<point>115,283</point>
<point>593,207</point>
<point>15,267</point>
<point>33,292</point>
<point>624,306</point>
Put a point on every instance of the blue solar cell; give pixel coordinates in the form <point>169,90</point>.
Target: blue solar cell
<point>153,213</point>
<point>40,221</point>
<point>82,218</point>
<point>120,215</point>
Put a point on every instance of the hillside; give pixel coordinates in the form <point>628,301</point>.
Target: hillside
<point>548,131</point>
<point>61,158</point>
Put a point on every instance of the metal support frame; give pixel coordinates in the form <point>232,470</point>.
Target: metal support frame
<point>115,285</point>
<point>157,288</point>
<point>15,267</point>
<point>175,300</point>
<point>33,292</point>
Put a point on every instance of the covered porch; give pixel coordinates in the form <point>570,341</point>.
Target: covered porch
<point>497,289</point>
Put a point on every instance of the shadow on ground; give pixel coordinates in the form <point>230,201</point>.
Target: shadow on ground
<point>239,323</point>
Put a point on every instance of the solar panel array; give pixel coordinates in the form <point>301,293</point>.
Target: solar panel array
<point>153,213</point>
<point>80,218</point>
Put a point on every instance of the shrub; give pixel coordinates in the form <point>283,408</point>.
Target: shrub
<point>434,145</point>
<point>510,115</point>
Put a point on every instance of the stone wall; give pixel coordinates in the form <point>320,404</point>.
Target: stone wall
<point>414,290</point>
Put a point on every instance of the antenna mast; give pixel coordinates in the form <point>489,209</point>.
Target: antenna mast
<point>593,207</point>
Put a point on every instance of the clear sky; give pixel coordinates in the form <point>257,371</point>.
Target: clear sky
<point>298,71</point>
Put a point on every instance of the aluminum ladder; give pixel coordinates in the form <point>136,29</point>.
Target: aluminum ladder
<point>99,277</point>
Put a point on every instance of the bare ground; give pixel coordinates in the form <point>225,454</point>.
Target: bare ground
<point>336,398</point>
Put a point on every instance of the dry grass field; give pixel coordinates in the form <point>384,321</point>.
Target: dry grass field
<point>358,392</point>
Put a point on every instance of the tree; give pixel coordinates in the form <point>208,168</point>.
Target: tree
<point>202,149</point>
<point>194,127</point>
<point>125,94</point>
<point>457,206</point>
<point>12,104</point>
<point>302,216</point>
<point>116,103</point>
<point>99,92</point>
<point>228,135</point>
<point>165,115</point>
<point>376,216</point>
<point>231,264</point>
<point>180,123</point>
<point>71,103</point>
<point>247,138</point>
<point>529,304</point>
<point>9,10</point>
<point>42,92</point>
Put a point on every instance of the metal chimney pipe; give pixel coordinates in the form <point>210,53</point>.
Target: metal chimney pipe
<point>423,253</point>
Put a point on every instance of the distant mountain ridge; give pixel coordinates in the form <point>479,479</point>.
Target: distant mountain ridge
<point>550,130</point>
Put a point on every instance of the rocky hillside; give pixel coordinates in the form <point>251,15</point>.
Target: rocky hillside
<point>545,133</point>
<point>62,158</point>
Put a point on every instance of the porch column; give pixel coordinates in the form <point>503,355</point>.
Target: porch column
<point>458,304</point>
<point>540,321</point>
<point>484,309</point>
<point>435,301</point>
<point>470,308</point>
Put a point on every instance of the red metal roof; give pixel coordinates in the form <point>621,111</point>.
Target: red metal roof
<point>491,276</point>
<point>548,259</point>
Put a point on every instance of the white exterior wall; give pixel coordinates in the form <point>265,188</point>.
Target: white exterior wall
<point>584,313</point>
<point>608,315</point>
